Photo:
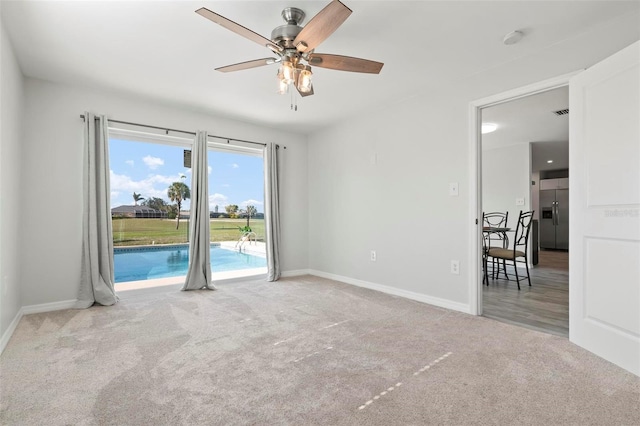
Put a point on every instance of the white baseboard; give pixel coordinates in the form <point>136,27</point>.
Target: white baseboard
<point>33,309</point>
<point>9,332</point>
<point>49,307</point>
<point>295,273</point>
<point>436,301</point>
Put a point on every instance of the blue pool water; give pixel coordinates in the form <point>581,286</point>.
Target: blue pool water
<point>145,263</point>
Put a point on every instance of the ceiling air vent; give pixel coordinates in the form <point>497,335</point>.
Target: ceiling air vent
<point>561,112</point>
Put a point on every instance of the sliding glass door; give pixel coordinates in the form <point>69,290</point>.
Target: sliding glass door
<point>236,205</point>
<point>150,194</point>
<point>150,182</point>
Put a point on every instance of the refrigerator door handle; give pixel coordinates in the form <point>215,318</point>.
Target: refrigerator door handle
<point>556,213</point>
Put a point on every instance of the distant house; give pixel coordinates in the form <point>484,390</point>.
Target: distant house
<point>137,212</point>
<point>255,216</point>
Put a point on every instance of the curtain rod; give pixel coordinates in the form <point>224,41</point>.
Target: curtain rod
<point>167,130</point>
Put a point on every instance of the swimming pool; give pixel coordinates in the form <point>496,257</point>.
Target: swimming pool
<point>145,263</point>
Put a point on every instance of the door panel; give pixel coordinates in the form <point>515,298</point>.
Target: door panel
<point>604,315</point>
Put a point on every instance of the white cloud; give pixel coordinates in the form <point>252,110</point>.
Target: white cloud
<point>153,162</point>
<point>255,203</point>
<point>123,187</point>
<point>235,166</point>
<point>130,162</point>
<point>209,169</point>
<point>220,200</point>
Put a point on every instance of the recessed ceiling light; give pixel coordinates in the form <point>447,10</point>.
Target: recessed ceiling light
<point>549,161</point>
<point>489,127</point>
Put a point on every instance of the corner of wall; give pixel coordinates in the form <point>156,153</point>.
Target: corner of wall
<point>11,117</point>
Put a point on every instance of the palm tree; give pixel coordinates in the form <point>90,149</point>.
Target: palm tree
<point>178,192</point>
<point>136,198</point>
<point>250,211</point>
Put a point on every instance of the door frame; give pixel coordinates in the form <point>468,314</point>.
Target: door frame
<point>475,175</point>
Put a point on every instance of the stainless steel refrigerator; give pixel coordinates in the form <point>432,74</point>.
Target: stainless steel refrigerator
<point>554,219</point>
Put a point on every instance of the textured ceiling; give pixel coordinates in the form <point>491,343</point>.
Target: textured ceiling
<point>532,119</point>
<point>166,52</point>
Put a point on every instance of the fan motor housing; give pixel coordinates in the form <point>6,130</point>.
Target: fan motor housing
<point>285,34</point>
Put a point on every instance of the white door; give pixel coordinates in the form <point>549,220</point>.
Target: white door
<point>604,160</point>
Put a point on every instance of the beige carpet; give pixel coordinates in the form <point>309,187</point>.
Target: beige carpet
<point>302,351</point>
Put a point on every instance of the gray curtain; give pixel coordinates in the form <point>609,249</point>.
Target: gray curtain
<point>96,276</point>
<point>272,211</point>
<point>199,274</point>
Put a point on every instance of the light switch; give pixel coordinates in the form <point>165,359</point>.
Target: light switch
<point>519,201</point>
<point>453,189</point>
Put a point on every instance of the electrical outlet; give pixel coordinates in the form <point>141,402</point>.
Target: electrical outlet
<point>519,201</point>
<point>374,257</point>
<point>455,267</point>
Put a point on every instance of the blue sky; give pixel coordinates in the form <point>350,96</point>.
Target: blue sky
<point>149,169</point>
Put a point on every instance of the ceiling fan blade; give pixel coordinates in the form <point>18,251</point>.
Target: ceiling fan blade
<point>345,63</point>
<point>236,28</point>
<point>303,94</point>
<point>249,64</point>
<point>321,26</point>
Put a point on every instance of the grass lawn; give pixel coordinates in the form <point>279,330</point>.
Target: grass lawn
<point>135,232</point>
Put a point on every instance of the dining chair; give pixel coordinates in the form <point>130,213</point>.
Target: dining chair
<point>491,239</point>
<point>519,252</point>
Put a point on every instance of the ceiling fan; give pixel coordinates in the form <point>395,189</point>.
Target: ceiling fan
<point>294,45</point>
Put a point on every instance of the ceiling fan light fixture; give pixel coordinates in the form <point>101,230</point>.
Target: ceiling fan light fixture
<point>287,72</point>
<point>304,79</point>
<point>283,87</point>
<point>292,44</point>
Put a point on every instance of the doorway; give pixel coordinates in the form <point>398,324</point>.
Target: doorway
<point>603,309</point>
<point>476,285</point>
<point>525,161</point>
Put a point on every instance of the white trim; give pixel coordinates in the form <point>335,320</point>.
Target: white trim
<point>295,273</point>
<point>475,196</point>
<point>241,149</point>
<point>48,307</point>
<point>116,132</point>
<point>9,332</point>
<point>33,309</point>
<point>436,301</point>
<point>475,213</point>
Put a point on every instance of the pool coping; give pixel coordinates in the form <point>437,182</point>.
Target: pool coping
<point>227,276</point>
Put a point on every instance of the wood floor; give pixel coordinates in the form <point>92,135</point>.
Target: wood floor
<point>544,306</point>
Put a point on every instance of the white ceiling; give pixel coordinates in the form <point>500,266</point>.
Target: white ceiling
<point>532,120</point>
<point>166,52</point>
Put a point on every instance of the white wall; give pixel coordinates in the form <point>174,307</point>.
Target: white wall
<point>400,206</point>
<point>51,204</point>
<point>506,176</point>
<point>11,115</point>
<point>535,195</point>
